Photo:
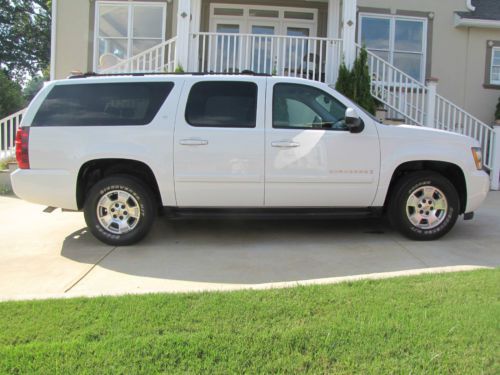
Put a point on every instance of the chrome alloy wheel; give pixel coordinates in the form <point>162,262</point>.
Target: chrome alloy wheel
<point>118,212</point>
<point>427,207</point>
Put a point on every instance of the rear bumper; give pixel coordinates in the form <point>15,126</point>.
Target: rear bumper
<point>478,186</point>
<point>48,187</point>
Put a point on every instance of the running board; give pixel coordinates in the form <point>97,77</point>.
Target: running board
<point>274,213</point>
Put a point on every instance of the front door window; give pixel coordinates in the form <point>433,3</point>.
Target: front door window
<point>126,29</point>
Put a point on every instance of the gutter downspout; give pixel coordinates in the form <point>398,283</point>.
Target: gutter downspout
<point>53,33</point>
<point>469,5</point>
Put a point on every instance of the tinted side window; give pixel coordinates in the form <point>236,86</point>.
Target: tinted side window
<point>298,106</point>
<point>103,104</point>
<point>222,104</point>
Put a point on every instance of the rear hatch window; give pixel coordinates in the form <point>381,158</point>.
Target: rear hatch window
<point>103,104</point>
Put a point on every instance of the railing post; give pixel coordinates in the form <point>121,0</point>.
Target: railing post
<point>182,45</point>
<point>495,160</point>
<point>430,102</point>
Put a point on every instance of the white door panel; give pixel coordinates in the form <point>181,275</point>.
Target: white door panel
<point>321,168</point>
<point>219,167</point>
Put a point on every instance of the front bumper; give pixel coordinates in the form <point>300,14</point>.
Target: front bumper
<point>478,186</point>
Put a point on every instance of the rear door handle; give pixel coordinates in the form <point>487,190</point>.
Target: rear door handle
<point>285,144</point>
<point>193,142</point>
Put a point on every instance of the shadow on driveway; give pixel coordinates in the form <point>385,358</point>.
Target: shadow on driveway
<point>263,251</point>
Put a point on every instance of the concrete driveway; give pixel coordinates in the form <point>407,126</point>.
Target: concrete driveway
<point>52,255</point>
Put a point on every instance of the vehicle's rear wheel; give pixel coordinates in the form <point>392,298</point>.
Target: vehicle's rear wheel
<point>119,210</point>
<point>424,206</point>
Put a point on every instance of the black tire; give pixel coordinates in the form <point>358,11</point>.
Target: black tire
<point>400,211</point>
<point>140,201</point>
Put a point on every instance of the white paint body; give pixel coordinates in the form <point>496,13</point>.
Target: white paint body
<point>235,167</point>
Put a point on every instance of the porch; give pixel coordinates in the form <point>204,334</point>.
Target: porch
<point>283,37</point>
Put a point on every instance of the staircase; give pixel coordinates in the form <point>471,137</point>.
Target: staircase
<point>158,59</point>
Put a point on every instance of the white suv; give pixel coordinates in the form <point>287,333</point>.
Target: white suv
<point>122,147</point>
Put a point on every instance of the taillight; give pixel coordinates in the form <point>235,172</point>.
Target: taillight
<point>22,149</point>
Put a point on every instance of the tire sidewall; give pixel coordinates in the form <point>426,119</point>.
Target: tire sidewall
<point>400,218</point>
<point>134,188</point>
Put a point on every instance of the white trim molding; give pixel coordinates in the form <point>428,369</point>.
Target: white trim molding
<point>469,5</point>
<point>472,22</point>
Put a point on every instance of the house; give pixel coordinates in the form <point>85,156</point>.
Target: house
<point>432,63</point>
<point>455,41</point>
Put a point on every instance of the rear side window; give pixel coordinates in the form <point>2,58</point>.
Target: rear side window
<point>102,104</point>
<point>222,105</point>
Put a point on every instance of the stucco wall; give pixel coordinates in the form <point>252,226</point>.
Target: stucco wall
<point>458,54</point>
<point>72,38</point>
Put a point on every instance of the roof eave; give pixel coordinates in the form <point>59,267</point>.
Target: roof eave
<point>474,22</point>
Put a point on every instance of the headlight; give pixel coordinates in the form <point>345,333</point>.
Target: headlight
<point>478,157</point>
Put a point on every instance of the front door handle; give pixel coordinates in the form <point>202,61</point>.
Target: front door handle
<point>285,144</point>
<point>193,142</point>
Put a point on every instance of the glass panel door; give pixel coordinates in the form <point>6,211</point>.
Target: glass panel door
<point>263,49</point>
<point>227,48</point>
<point>297,51</point>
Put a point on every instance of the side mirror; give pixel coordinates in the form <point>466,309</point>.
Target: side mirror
<point>353,121</point>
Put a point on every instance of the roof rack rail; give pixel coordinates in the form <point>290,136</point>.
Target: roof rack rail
<point>243,73</point>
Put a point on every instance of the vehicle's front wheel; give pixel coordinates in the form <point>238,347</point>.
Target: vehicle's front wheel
<point>424,206</point>
<point>119,210</point>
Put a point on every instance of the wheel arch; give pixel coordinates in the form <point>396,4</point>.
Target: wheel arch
<point>448,170</point>
<point>94,170</point>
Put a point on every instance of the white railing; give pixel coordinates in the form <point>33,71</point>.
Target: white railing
<point>305,57</point>
<point>8,129</point>
<point>449,116</point>
<point>158,59</point>
<point>400,92</point>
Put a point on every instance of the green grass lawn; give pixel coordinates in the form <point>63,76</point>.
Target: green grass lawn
<point>435,324</point>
